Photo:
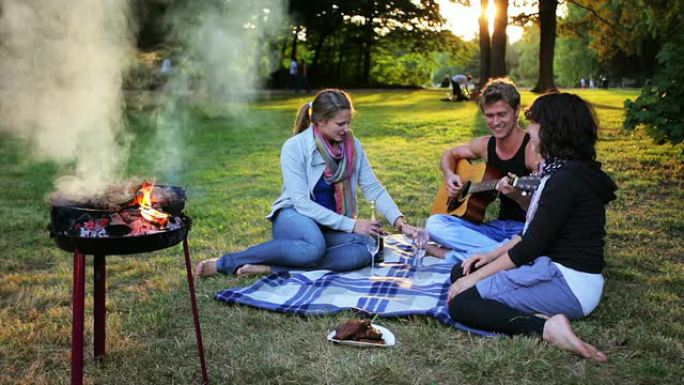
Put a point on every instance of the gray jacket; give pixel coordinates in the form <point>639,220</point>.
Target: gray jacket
<point>303,166</point>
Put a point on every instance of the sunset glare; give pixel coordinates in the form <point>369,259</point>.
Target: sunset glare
<point>463,21</point>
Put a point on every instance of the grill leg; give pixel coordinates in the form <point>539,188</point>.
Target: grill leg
<point>77,304</point>
<point>195,312</point>
<point>99,308</point>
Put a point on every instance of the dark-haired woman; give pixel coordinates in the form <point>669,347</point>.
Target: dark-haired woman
<point>551,274</point>
<point>314,223</point>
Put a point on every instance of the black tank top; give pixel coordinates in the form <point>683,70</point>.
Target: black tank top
<point>510,209</point>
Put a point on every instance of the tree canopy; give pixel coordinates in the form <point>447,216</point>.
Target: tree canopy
<point>370,41</point>
<point>351,42</point>
<point>642,40</point>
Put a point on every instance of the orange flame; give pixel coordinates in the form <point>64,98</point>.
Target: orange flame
<point>145,202</point>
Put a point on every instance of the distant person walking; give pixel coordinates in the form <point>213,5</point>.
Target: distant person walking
<point>166,66</point>
<point>293,74</point>
<point>583,83</point>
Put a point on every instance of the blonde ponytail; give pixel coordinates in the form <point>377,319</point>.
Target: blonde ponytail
<point>303,119</point>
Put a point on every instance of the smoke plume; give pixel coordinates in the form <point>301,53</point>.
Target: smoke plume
<point>62,73</point>
<point>225,53</point>
<point>227,44</point>
<point>60,84</point>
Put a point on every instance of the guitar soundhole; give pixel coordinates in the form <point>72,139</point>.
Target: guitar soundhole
<point>454,203</point>
<point>464,192</point>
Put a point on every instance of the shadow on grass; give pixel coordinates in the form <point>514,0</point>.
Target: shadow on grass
<point>607,107</point>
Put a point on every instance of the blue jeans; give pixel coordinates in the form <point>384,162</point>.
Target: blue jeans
<point>466,238</point>
<point>299,243</point>
<point>536,288</point>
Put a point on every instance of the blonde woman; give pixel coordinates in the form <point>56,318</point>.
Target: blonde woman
<point>314,223</point>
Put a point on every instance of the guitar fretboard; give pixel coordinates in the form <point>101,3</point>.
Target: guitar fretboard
<point>483,186</point>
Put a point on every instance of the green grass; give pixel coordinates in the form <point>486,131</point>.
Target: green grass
<point>232,174</point>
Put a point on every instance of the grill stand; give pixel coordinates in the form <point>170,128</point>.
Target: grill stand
<point>99,312</point>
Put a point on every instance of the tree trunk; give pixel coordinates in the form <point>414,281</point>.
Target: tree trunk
<point>368,44</point>
<point>485,45</point>
<point>547,45</point>
<point>359,78</point>
<point>340,58</point>
<point>319,47</point>
<point>295,37</point>
<point>283,50</point>
<point>499,39</point>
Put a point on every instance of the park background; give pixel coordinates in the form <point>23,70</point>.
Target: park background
<point>85,95</point>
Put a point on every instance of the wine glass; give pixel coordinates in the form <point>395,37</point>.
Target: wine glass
<point>373,246</point>
<point>420,240</point>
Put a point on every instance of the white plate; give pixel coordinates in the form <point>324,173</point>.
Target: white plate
<point>387,336</point>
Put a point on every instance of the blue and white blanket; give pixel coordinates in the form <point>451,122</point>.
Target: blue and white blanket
<point>397,288</point>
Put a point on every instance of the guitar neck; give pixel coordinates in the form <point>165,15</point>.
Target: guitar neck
<point>483,186</point>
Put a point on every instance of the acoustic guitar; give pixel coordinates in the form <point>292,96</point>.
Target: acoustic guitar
<point>479,190</point>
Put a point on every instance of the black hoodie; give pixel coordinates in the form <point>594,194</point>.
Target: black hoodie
<point>569,224</point>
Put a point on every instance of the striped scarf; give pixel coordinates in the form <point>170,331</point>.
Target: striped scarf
<point>552,165</point>
<point>339,166</point>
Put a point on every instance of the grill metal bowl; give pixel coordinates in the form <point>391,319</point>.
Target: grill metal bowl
<point>63,215</point>
<point>122,245</point>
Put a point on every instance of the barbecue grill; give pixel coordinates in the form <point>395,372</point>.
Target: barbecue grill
<point>84,228</point>
<point>121,244</point>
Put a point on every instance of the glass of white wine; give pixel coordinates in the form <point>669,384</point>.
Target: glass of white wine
<point>374,243</point>
<point>373,246</point>
<point>420,241</point>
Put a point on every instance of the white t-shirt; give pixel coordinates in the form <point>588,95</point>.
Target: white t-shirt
<point>460,79</point>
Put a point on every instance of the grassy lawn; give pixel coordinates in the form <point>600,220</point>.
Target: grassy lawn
<point>232,175</point>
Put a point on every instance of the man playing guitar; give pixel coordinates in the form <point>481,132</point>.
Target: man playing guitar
<point>507,150</point>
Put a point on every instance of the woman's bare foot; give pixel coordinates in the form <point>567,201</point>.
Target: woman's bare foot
<point>252,269</point>
<point>206,268</point>
<point>558,332</point>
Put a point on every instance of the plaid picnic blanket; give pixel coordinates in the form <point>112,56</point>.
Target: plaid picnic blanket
<point>397,288</point>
